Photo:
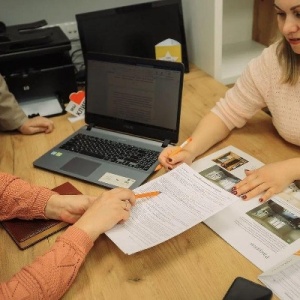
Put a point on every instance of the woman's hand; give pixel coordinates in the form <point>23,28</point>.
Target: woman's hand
<point>268,180</point>
<point>67,208</point>
<point>209,131</point>
<point>106,211</point>
<point>170,161</point>
<point>37,125</point>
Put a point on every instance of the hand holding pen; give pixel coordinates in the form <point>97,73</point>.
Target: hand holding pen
<point>166,155</point>
<point>140,196</point>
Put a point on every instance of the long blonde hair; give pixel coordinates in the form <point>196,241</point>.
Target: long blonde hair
<point>289,61</point>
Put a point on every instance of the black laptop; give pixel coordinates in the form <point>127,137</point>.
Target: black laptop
<point>132,112</point>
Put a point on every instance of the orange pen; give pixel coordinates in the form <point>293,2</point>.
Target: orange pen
<point>175,151</point>
<point>147,194</point>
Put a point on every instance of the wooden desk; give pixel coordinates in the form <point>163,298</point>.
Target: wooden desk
<point>197,264</point>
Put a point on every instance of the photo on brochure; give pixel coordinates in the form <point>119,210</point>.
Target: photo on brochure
<point>291,195</point>
<point>230,161</point>
<point>220,177</point>
<point>278,220</point>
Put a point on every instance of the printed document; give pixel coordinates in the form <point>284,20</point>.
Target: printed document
<point>284,278</point>
<point>186,199</point>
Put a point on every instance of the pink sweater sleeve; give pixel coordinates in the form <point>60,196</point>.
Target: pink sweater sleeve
<point>250,91</point>
<point>51,274</point>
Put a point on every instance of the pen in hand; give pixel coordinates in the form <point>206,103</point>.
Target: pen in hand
<point>147,194</point>
<point>175,151</point>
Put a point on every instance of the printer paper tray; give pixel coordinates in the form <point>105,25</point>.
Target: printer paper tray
<point>46,107</point>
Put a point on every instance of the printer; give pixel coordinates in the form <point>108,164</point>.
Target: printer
<point>37,67</point>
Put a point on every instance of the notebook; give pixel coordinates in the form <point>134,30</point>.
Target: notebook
<point>26,233</point>
<point>129,100</point>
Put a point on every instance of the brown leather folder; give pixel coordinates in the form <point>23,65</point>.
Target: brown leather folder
<point>26,233</point>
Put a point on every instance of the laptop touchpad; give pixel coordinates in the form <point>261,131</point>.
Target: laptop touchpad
<point>80,166</point>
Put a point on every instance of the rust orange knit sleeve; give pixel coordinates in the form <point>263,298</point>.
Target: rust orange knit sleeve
<point>50,275</point>
<point>20,199</point>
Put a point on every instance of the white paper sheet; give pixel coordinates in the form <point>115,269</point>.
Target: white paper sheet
<point>44,107</point>
<point>186,199</point>
<point>284,278</point>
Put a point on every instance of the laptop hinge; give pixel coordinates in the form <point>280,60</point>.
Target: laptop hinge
<point>90,126</point>
<point>165,143</point>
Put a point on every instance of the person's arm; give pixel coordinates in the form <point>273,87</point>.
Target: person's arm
<point>51,274</point>
<point>12,117</point>
<point>209,131</point>
<point>20,199</point>
<point>11,114</point>
<point>239,104</point>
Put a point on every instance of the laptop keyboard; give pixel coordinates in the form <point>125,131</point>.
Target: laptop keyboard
<point>116,152</point>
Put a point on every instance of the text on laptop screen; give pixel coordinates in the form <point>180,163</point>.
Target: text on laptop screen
<point>135,93</point>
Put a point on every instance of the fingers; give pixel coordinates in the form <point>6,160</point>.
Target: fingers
<point>41,124</point>
<point>252,186</point>
<point>127,205</point>
<point>164,158</point>
<point>124,195</point>
<point>266,196</point>
<point>248,184</point>
<point>172,157</point>
<point>123,198</point>
<point>37,125</point>
<point>249,191</point>
<point>34,130</point>
<point>110,208</point>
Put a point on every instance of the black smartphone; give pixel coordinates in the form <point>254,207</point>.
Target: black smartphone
<point>244,289</point>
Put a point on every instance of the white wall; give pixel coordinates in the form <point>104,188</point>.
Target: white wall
<point>237,21</point>
<point>203,25</point>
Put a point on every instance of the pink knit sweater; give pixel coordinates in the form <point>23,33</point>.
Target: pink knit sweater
<point>259,86</point>
<point>50,275</point>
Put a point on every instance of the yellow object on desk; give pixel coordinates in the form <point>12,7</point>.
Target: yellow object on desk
<point>169,50</point>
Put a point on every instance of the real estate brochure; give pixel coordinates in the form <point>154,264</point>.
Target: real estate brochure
<point>265,233</point>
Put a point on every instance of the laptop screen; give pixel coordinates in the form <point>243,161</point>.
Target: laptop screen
<point>130,94</point>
